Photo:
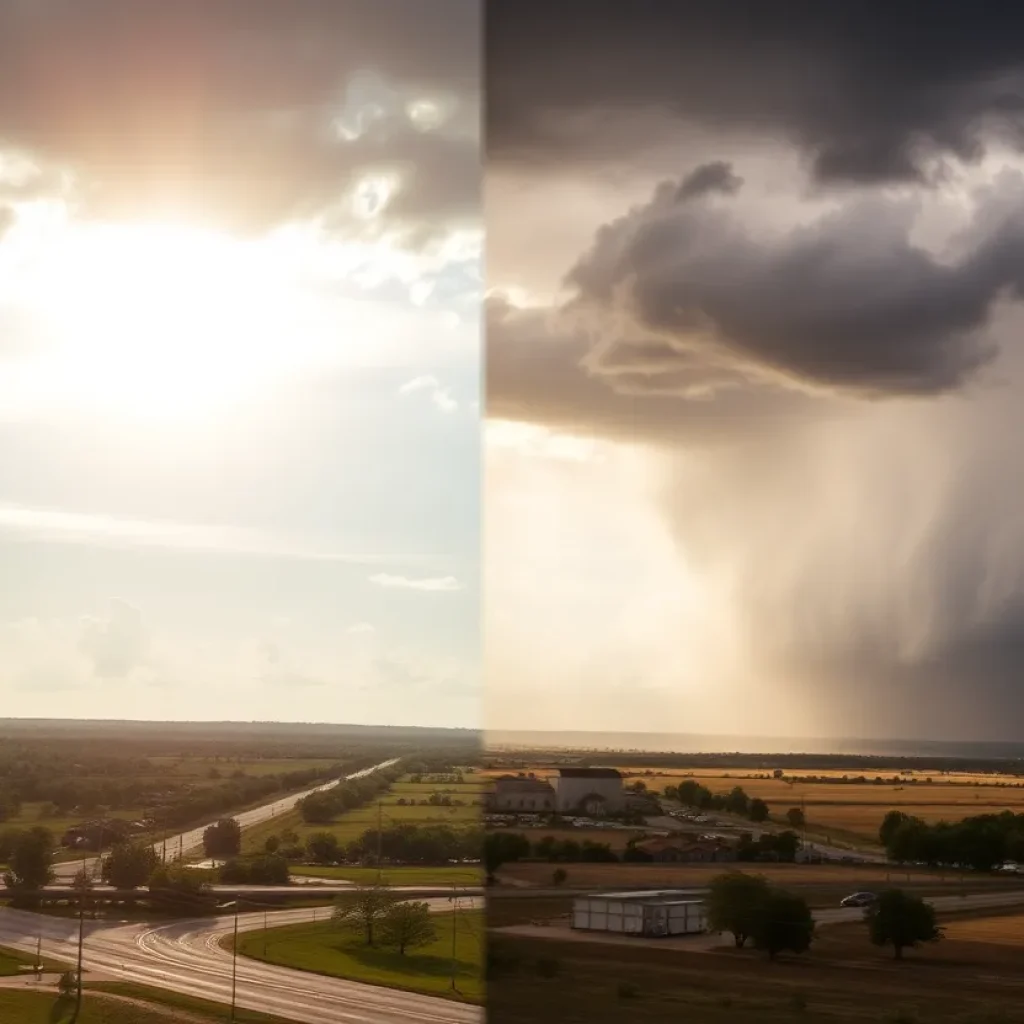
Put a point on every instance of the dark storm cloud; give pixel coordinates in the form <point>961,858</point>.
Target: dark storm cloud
<point>226,109</point>
<point>848,301</point>
<point>687,320</point>
<point>539,369</point>
<point>870,91</point>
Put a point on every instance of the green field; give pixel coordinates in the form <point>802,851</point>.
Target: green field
<point>27,1007</point>
<point>13,960</point>
<point>351,825</point>
<point>468,875</point>
<point>323,948</point>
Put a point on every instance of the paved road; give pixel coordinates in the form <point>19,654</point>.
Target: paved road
<point>185,956</point>
<point>975,901</point>
<point>189,842</point>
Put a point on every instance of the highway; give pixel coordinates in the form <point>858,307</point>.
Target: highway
<point>943,904</point>
<point>190,842</point>
<point>185,956</point>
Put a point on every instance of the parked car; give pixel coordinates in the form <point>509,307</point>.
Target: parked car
<point>859,899</point>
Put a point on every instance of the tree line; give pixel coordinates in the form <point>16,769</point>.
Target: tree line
<point>325,806</point>
<point>691,793</point>
<point>776,920</point>
<point>980,843</point>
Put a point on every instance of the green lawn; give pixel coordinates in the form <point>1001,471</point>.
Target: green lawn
<point>202,1008</point>
<point>13,960</point>
<point>451,875</point>
<point>350,826</point>
<point>323,948</point>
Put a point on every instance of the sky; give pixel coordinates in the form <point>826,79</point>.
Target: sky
<point>240,292</point>
<point>755,390</point>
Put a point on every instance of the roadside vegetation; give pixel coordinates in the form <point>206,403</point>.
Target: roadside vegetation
<point>375,937</point>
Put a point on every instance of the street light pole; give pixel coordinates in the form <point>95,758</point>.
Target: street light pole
<point>234,966</point>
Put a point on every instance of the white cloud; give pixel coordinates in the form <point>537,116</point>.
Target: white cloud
<point>432,583</point>
<point>361,627</point>
<point>439,395</point>
<point>114,531</point>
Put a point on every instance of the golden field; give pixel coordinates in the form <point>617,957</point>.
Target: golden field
<point>853,808</point>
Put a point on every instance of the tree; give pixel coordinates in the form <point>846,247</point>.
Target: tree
<point>783,922</point>
<point>758,810</point>
<point>30,861</point>
<point>320,808</point>
<point>901,920</point>
<point>733,903</point>
<point>364,909</point>
<point>179,888</point>
<point>129,865</point>
<point>323,847</point>
<point>796,818</point>
<point>503,848</point>
<point>407,926</point>
<point>224,839</point>
<point>558,876</point>
<point>273,844</point>
<point>890,823</point>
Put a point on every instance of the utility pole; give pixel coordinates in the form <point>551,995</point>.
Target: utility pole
<point>455,936</point>
<point>380,839</point>
<point>163,851</point>
<point>78,973</point>
<point>39,956</point>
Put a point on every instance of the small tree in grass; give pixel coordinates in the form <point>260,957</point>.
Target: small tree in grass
<point>733,903</point>
<point>783,923</point>
<point>364,909</point>
<point>796,818</point>
<point>901,920</point>
<point>406,926</point>
<point>559,875</point>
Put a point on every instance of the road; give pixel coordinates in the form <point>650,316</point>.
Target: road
<point>186,956</point>
<point>189,842</point>
<point>943,904</point>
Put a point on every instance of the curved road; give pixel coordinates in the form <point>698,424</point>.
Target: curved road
<point>191,841</point>
<point>186,956</point>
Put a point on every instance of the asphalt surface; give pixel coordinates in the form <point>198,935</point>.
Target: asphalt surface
<point>187,843</point>
<point>943,904</point>
<point>186,956</point>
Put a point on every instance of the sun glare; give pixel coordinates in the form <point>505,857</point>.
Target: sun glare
<point>158,320</point>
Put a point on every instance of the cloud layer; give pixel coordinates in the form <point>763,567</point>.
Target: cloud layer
<point>246,116</point>
<point>795,314</point>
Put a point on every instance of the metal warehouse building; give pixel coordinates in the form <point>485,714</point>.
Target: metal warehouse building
<point>652,913</point>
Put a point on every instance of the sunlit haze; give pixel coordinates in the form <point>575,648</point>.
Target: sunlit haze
<point>239,359</point>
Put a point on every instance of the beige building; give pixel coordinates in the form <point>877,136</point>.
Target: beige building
<point>522,794</point>
<point>593,791</point>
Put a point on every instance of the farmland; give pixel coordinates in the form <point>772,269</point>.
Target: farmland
<point>845,809</point>
<point>532,982</point>
<point>405,803</point>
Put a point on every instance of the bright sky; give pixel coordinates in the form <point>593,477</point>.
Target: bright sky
<point>240,462</point>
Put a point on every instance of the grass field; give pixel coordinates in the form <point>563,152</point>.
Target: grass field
<point>843,980</point>
<point>350,826</point>
<point>12,962</point>
<point>397,876</point>
<point>324,949</point>
<point>177,1007</point>
<point>20,1006</point>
